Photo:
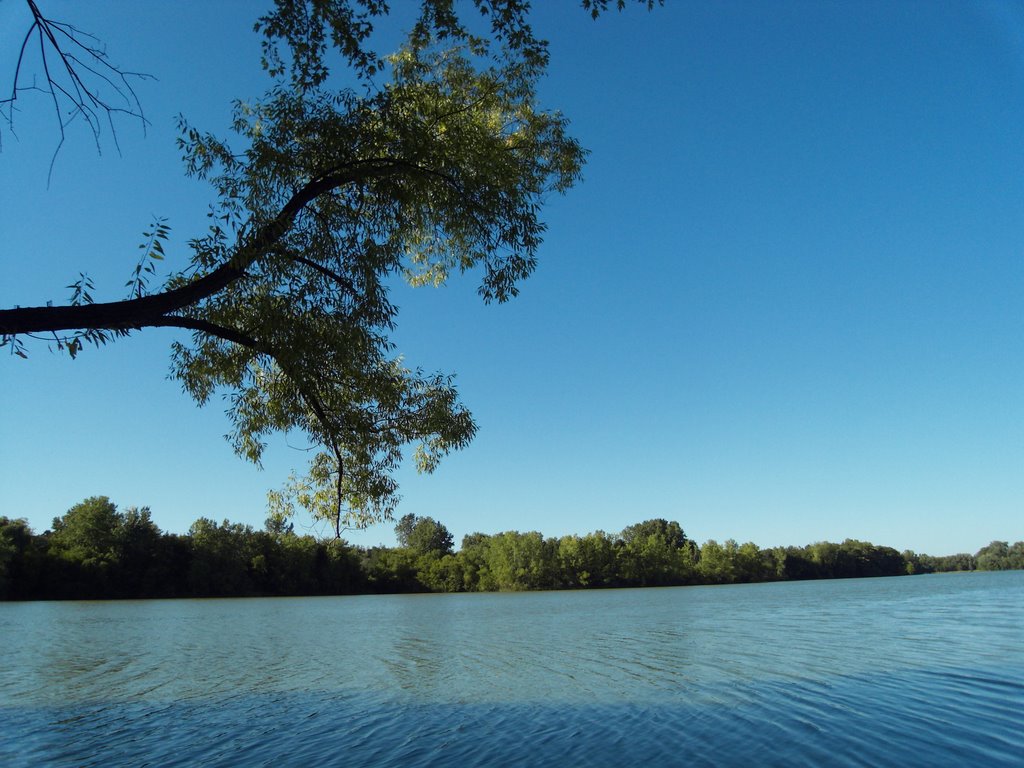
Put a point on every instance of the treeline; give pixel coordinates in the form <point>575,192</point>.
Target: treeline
<point>97,551</point>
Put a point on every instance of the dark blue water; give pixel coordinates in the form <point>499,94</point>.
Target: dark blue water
<point>907,671</point>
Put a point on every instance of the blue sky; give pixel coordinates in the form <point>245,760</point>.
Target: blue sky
<point>783,306</point>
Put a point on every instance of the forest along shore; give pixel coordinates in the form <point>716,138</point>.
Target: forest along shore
<point>95,551</point>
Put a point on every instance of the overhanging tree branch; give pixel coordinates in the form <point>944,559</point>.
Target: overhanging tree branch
<point>442,167</point>
<point>143,311</point>
<point>311,399</point>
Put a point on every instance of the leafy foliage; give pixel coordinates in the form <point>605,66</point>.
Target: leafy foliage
<point>442,168</point>
<point>424,535</point>
<point>422,162</point>
<point>88,532</point>
<point>1001,556</point>
<point>96,551</point>
<point>152,250</point>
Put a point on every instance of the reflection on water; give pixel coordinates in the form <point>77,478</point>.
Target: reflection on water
<point>922,670</point>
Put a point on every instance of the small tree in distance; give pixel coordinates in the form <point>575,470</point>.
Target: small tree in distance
<point>424,535</point>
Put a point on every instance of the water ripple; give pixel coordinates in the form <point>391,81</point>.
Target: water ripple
<point>912,671</point>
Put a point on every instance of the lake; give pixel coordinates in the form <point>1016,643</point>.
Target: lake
<point>923,670</point>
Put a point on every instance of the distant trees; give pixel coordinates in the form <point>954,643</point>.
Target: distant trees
<point>21,560</point>
<point>1001,556</point>
<point>221,558</point>
<point>87,533</point>
<point>656,553</point>
<point>96,551</point>
<point>424,535</point>
<point>519,561</point>
<point>928,564</point>
<point>391,570</point>
<point>100,551</point>
<point>588,561</point>
<point>424,560</point>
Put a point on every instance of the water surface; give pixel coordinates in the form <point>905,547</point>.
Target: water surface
<point>899,671</point>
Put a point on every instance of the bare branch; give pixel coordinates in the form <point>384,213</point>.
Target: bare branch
<point>76,74</point>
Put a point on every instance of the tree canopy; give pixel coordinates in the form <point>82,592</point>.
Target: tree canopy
<point>96,551</point>
<point>423,535</point>
<point>355,167</point>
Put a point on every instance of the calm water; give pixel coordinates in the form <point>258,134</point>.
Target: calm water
<point>927,670</point>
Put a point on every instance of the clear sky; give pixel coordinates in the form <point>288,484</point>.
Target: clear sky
<point>784,306</point>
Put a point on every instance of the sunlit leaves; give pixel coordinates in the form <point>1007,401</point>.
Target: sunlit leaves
<point>152,250</point>
<point>422,163</point>
<point>439,170</point>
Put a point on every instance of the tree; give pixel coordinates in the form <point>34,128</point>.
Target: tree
<point>403,529</point>
<point>16,540</point>
<point>138,544</point>
<point>520,561</point>
<point>1000,556</point>
<point>424,536</point>
<point>587,561</point>
<point>656,552</point>
<point>431,160</point>
<point>222,559</point>
<point>391,570</point>
<point>441,574</point>
<point>88,533</point>
<point>723,563</point>
<point>474,555</point>
<point>670,532</point>
<point>752,564</point>
<point>828,560</point>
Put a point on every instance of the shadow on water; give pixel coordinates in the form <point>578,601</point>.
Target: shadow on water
<point>948,717</point>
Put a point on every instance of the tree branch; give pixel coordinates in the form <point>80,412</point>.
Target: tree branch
<point>326,272</point>
<point>205,326</point>
<point>139,312</point>
<point>239,337</point>
<point>81,73</point>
